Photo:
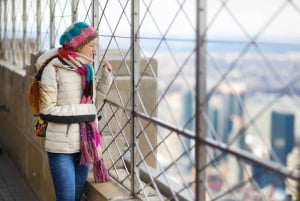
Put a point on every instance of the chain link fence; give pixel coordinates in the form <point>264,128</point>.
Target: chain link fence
<point>221,118</point>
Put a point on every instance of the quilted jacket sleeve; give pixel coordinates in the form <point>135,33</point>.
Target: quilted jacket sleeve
<point>102,88</point>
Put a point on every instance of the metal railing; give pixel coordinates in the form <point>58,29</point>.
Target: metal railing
<point>224,77</point>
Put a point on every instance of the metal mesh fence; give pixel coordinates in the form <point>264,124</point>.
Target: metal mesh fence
<point>210,109</point>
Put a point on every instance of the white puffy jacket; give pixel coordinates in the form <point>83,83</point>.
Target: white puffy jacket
<point>62,90</point>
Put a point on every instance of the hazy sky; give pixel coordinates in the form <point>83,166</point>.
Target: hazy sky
<point>255,15</point>
<point>234,19</point>
<point>225,18</point>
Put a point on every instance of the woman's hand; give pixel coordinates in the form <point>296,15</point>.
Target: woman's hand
<point>107,66</point>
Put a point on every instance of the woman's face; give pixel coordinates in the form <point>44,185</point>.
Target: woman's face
<point>89,49</point>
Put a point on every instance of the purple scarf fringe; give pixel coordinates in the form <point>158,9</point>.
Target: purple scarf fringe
<point>89,153</point>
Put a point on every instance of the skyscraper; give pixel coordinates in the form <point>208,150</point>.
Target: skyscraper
<point>233,101</point>
<point>282,143</point>
<point>282,135</point>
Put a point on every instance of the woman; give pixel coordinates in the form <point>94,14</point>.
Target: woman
<point>70,98</point>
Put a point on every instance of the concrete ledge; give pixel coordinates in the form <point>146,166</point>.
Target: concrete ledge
<point>14,68</point>
<point>110,190</point>
<point>114,191</point>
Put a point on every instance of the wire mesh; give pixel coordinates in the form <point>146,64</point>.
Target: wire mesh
<point>252,77</point>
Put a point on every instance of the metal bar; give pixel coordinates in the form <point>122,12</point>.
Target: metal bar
<point>74,10</point>
<point>135,69</point>
<point>1,23</point>
<point>165,185</point>
<point>5,28</point>
<point>120,198</point>
<point>25,40</point>
<point>52,24</point>
<point>95,19</point>
<point>38,25</point>
<point>13,19</point>
<point>201,102</point>
<point>239,153</point>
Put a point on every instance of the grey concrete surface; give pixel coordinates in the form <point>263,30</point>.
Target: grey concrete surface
<point>12,185</point>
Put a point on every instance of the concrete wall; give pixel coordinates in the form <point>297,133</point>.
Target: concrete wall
<point>27,151</point>
<point>17,131</point>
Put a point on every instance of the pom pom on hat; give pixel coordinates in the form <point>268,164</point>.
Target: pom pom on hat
<point>77,35</point>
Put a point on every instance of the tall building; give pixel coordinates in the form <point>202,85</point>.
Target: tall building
<point>213,115</point>
<point>188,108</point>
<point>233,95</point>
<point>231,121</point>
<point>282,135</point>
<point>282,140</point>
<point>282,143</point>
<point>188,121</point>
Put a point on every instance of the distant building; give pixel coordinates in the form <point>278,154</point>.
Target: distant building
<point>188,110</point>
<point>231,121</point>
<point>233,95</point>
<point>188,121</point>
<point>282,143</point>
<point>282,135</point>
<point>213,115</point>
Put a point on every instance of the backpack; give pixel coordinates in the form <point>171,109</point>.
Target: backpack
<point>35,100</point>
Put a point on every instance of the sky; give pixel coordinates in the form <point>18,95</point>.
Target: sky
<point>225,18</point>
<point>258,19</point>
<point>272,18</point>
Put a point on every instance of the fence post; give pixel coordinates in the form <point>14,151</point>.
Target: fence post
<point>135,69</point>
<point>75,10</point>
<point>25,40</point>
<point>52,24</point>
<point>38,25</point>
<point>201,102</point>
<point>95,18</point>
<point>13,19</point>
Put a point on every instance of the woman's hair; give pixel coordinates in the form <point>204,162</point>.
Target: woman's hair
<point>35,97</point>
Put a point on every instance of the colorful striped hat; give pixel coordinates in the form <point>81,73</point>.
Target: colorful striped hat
<point>77,35</point>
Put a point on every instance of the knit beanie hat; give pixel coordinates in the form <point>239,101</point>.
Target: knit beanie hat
<point>77,35</point>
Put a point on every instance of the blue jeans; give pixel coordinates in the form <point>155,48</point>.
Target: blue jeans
<point>69,177</point>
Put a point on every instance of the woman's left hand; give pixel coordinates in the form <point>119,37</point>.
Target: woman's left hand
<point>107,66</point>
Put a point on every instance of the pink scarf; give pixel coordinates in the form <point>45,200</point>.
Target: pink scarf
<point>90,138</point>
